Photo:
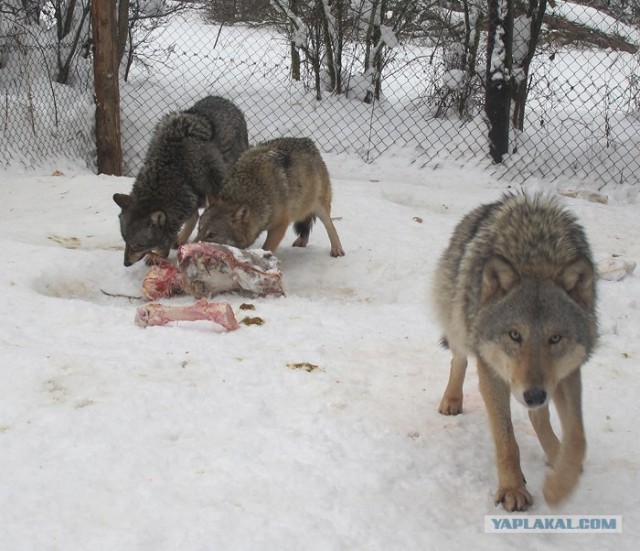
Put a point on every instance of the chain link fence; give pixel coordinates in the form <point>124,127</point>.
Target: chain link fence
<point>41,117</point>
<point>366,77</point>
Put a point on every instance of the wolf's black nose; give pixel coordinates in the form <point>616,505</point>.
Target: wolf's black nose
<point>535,397</point>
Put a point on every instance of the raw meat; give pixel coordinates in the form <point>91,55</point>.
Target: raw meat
<point>211,269</point>
<point>160,314</point>
<point>163,280</point>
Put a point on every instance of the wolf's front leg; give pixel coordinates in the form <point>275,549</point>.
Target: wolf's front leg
<point>512,491</point>
<point>156,256</point>
<point>542,425</point>
<point>186,230</point>
<point>451,403</point>
<point>275,235</point>
<point>567,467</point>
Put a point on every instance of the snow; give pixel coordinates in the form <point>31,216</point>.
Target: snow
<point>388,36</point>
<point>580,116</point>
<point>117,437</point>
<point>318,429</point>
<point>498,67</point>
<point>300,32</point>
<point>453,78</point>
<point>521,38</point>
<point>595,19</point>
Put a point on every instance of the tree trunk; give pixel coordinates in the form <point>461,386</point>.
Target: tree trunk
<point>64,27</point>
<point>472,22</point>
<point>535,14</point>
<point>295,62</point>
<point>333,13</point>
<point>520,93</point>
<point>371,55</point>
<point>498,94</point>
<point>328,44</point>
<point>339,45</point>
<point>295,51</point>
<point>106,86</point>
<point>315,64</point>
<point>123,28</point>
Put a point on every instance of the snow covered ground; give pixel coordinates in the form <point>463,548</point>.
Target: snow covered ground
<point>117,437</point>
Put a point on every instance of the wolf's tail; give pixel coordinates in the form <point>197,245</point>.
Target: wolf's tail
<point>303,227</point>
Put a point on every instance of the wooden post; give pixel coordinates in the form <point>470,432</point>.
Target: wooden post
<point>106,86</point>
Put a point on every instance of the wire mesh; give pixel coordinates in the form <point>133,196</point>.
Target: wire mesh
<point>581,116</point>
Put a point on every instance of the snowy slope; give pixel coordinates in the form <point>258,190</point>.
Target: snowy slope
<point>117,437</point>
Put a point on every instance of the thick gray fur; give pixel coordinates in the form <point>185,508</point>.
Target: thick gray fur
<point>188,157</point>
<point>228,124</point>
<point>270,186</point>
<point>516,288</point>
<point>534,234</point>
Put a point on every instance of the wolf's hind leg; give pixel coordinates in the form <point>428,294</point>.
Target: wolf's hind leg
<point>325,217</point>
<point>541,423</point>
<point>303,229</point>
<point>562,480</point>
<point>512,491</point>
<point>451,403</point>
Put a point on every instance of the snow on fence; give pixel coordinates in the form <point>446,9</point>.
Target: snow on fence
<point>364,77</point>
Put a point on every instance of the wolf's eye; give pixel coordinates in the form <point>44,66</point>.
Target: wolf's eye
<point>555,339</point>
<point>515,336</point>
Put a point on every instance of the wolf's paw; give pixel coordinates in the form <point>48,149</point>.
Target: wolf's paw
<point>514,499</point>
<point>558,488</point>
<point>300,242</point>
<point>152,259</point>
<point>450,405</point>
<point>156,257</point>
<point>337,251</point>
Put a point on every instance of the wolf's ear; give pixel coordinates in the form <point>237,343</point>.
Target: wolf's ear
<point>497,278</point>
<point>122,200</point>
<point>578,280</point>
<point>241,216</point>
<point>158,218</point>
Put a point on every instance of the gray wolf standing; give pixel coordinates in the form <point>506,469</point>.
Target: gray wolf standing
<point>516,289</point>
<point>277,182</point>
<point>189,154</point>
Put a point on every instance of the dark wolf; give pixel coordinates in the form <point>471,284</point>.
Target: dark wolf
<point>516,289</point>
<point>188,157</point>
<point>271,185</point>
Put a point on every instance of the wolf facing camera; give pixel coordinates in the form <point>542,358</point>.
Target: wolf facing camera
<point>188,157</point>
<point>516,289</point>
